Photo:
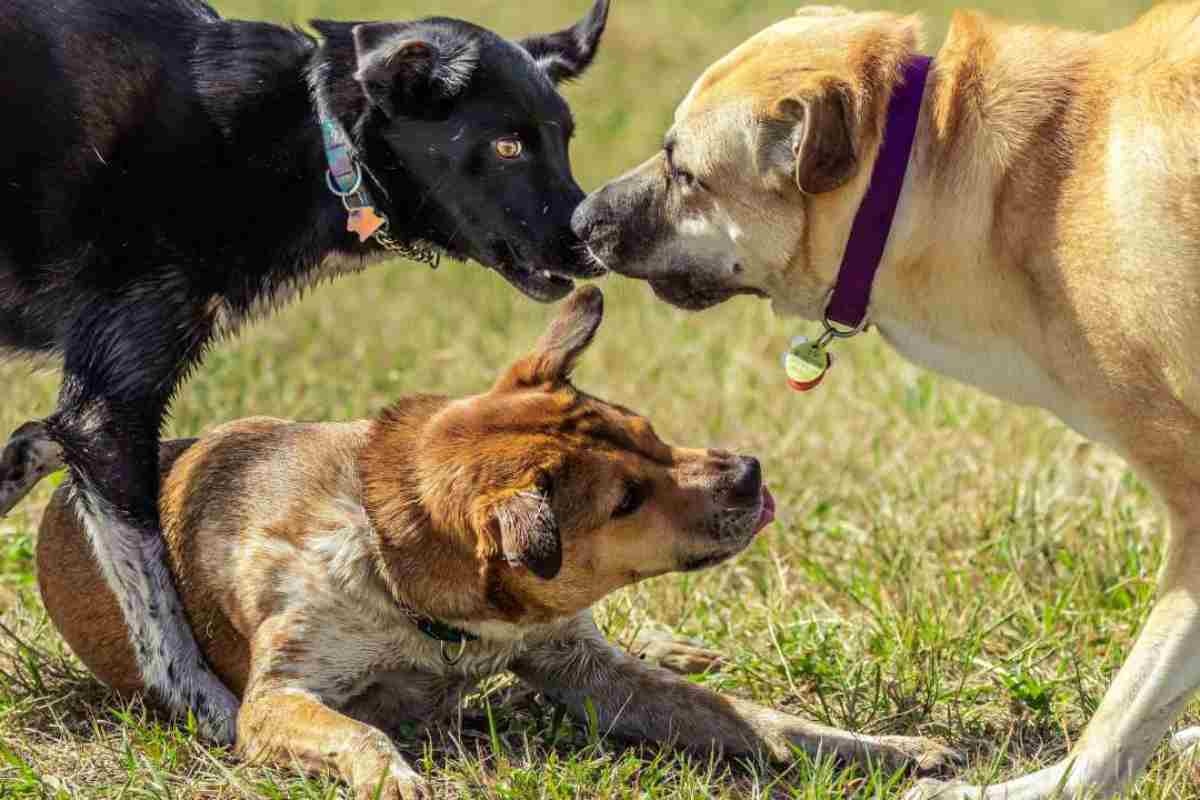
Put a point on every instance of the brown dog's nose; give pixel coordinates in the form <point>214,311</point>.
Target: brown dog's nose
<point>747,485</point>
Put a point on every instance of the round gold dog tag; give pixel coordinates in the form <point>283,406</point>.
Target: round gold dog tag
<point>806,364</point>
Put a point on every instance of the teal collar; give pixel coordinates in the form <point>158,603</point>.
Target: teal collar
<point>442,632</point>
<point>346,178</point>
<point>447,635</point>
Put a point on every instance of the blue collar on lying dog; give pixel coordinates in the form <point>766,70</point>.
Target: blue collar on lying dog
<point>443,632</point>
<point>347,179</point>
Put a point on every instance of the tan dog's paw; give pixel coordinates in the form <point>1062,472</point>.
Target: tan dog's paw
<point>676,655</point>
<point>925,756</point>
<point>399,782</point>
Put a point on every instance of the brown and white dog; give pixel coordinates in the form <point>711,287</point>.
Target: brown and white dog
<point>324,568</point>
<point>1046,249</point>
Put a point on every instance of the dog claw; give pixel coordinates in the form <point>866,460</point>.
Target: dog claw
<point>678,656</point>
<point>29,456</point>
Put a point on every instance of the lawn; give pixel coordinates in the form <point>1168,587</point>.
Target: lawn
<point>944,564</point>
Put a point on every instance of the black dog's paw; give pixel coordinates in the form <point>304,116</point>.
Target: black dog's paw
<point>29,456</point>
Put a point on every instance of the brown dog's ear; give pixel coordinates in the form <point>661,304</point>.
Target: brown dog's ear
<point>556,353</point>
<point>529,534</point>
<point>812,141</point>
<point>401,63</point>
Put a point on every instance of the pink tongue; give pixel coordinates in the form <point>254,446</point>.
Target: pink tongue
<point>768,510</point>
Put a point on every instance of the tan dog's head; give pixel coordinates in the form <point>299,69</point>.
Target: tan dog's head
<point>759,178</point>
<point>554,498</point>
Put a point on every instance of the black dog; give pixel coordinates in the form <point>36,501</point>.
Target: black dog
<point>163,174</point>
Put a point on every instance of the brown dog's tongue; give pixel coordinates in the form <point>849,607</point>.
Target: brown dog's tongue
<point>768,510</point>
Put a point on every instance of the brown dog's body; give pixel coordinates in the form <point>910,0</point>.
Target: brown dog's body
<point>1046,249</point>
<point>307,553</point>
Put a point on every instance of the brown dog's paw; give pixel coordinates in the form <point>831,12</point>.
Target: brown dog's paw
<point>29,456</point>
<point>924,756</point>
<point>676,655</point>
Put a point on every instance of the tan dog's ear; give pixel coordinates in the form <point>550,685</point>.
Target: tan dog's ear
<point>556,353</point>
<point>812,141</point>
<point>529,534</point>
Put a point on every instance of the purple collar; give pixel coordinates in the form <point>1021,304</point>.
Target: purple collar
<point>869,235</point>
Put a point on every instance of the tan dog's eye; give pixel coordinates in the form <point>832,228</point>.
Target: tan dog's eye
<point>509,147</point>
<point>633,499</point>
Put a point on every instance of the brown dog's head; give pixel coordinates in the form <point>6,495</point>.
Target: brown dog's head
<point>759,178</point>
<point>551,498</point>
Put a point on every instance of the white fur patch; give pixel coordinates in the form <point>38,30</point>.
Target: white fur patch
<point>170,662</point>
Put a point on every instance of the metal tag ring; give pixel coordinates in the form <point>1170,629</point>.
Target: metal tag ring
<point>452,660</point>
<point>358,179</point>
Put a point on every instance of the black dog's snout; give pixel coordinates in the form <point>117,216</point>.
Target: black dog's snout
<point>747,482</point>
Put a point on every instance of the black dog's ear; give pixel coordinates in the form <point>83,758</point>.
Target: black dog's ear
<point>556,353</point>
<point>399,62</point>
<point>565,55</point>
<point>529,534</point>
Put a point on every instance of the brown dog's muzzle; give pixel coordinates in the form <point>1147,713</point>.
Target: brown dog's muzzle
<point>736,507</point>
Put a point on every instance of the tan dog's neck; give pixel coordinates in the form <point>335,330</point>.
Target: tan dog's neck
<point>462,586</point>
<point>968,248</point>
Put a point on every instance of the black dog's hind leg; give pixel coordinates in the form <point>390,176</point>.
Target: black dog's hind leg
<point>122,362</point>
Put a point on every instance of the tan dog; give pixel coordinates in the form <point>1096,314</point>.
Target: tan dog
<point>1046,249</point>
<point>343,578</point>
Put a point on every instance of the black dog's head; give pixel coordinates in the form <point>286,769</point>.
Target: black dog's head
<point>468,137</point>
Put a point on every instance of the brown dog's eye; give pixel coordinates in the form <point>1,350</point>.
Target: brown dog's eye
<point>635,495</point>
<point>509,148</point>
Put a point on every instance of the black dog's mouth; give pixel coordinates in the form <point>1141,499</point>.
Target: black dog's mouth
<point>541,285</point>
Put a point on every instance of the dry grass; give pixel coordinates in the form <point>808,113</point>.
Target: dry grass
<point>944,565</point>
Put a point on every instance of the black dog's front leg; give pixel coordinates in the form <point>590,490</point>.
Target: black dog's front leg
<point>122,363</point>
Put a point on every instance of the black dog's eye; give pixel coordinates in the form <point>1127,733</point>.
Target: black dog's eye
<point>633,499</point>
<point>509,148</point>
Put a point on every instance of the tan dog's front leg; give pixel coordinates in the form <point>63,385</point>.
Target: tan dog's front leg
<point>635,700</point>
<point>292,727</point>
<point>1162,672</point>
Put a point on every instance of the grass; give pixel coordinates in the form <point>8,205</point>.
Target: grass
<point>944,565</point>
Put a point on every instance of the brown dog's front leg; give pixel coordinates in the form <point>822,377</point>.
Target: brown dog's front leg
<point>635,700</point>
<point>291,727</point>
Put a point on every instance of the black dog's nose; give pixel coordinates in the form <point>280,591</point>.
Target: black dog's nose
<point>747,485</point>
